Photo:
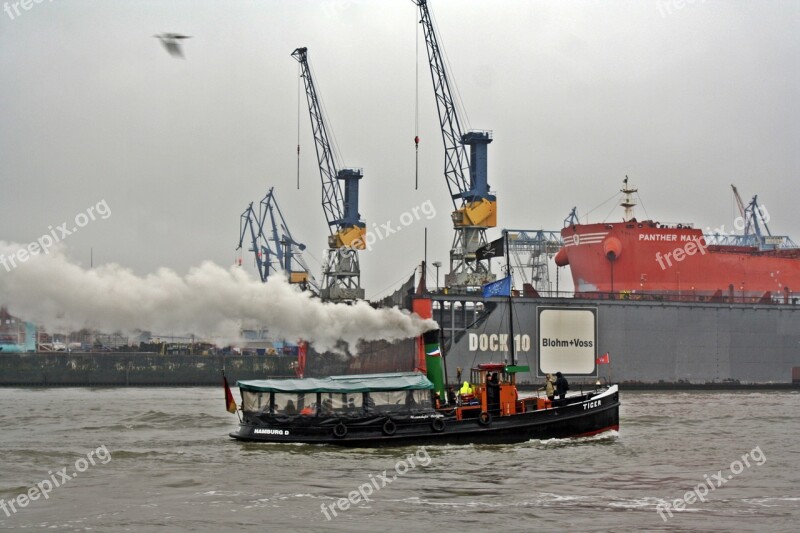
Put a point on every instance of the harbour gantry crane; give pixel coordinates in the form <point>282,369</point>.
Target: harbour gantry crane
<point>753,218</point>
<point>287,250</point>
<point>739,202</point>
<point>475,209</point>
<point>249,222</point>
<point>341,272</point>
<point>751,234</point>
<point>278,250</point>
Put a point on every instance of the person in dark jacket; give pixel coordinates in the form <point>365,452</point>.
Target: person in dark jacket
<point>493,394</point>
<point>451,396</point>
<point>562,386</point>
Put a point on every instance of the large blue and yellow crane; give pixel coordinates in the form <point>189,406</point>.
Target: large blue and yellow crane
<point>475,208</point>
<point>341,271</point>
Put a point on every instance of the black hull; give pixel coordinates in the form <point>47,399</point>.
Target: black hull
<point>582,416</point>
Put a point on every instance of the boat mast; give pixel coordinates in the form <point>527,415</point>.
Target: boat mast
<point>510,308</point>
<point>628,203</point>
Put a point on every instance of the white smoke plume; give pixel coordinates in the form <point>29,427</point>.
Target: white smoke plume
<point>209,301</point>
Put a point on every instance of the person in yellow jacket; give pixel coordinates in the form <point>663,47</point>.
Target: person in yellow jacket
<point>467,395</point>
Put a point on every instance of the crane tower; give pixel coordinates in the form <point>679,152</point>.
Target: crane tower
<point>475,208</point>
<point>341,273</point>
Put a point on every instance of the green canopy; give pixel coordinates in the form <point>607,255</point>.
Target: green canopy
<point>354,383</point>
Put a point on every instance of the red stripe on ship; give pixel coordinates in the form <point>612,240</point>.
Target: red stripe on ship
<point>598,431</point>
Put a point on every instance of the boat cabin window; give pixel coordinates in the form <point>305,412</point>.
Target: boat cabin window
<point>285,404</point>
<point>341,403</point>
<point>419,399</point>
<point>307,404</point>
<point>255,401</point>
<point>291,404</point>
<point>478,376</point>
<point>392,401</point>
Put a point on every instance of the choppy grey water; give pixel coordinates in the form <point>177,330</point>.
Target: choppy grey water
<point>170,463</point>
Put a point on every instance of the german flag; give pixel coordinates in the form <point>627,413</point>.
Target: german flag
<point>230,403</point>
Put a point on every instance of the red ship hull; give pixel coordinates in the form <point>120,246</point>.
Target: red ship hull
<point>648,258</point>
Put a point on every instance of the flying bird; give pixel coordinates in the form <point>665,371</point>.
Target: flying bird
<point>171,42</point>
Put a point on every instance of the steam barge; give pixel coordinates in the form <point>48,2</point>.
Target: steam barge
<point>399,409</point>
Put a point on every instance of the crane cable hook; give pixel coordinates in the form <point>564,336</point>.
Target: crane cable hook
<point>416,107</point>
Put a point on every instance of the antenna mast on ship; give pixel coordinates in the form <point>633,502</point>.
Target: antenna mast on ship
<point>628,203</point>
<point>510,306</point>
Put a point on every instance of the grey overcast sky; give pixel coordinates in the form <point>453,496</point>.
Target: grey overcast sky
<point>684,97</point>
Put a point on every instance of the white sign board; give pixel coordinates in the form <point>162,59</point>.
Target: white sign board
<point>567,340</point>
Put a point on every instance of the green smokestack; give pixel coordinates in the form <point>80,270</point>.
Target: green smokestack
<point>433,361</point>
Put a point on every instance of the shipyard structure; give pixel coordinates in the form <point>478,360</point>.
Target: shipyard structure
<point>647,341</point>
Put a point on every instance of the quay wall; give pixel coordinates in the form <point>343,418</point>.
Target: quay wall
<point>62,369</point>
